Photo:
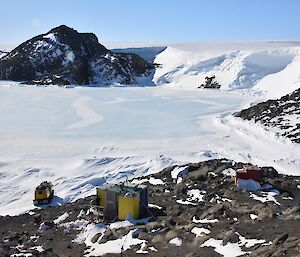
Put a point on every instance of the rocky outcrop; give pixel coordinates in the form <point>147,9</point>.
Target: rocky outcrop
<point>210,82</point>
<point>64,56</point>
<point>281,115</point>
<point>2,54</point>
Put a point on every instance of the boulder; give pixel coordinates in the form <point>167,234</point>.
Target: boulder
<point>170,235</point>
<point>158,239</point>
<point>265,213</point>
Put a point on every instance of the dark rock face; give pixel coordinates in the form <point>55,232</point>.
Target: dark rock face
<point>282,114</point>
<point>210,82</point>
<point>2,54</point>
<point>63,56</point>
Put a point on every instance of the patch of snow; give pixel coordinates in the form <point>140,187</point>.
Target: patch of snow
<point>253,216</point>
<point>228,250</point>
<point>176,241</point>
<point>185,202</point>
<point>179,172</point>
<point>51,36</point>
<point>156,181</point>
<point>154,206</point>
<point>114,246</point>
<point>267,197</point>
<point>120,224</point>
<point>78,224</point>
<point>61,218</point>
<point>151,180</point>
<point>200,231</point>
<point>229,172</point>
<point>196,195</point>
<point>87,232</point>
<point>38,248</point>
<point>204,221</point>
<point>249,242</point>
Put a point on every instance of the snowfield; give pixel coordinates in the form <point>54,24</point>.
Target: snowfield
<point>80,138</point>
<point>270,71</point>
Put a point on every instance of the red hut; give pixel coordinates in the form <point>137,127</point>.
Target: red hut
<point>250,172</point>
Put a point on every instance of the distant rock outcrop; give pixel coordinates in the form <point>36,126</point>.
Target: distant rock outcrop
<point>283,115</point>
<point>63,56</point>
<point>210,83</point>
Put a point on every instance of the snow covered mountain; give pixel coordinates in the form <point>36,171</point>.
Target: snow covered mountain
<point>63,56</point>
<point>282,115</point>
<point>272,69</point>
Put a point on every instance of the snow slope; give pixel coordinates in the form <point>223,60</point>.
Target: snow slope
<point>271,69</point>
<point>80,138</point>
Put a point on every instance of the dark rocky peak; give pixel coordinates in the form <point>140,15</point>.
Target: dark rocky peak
<point>2,54</point>
<point>64,56</point>
<point>86,43</point>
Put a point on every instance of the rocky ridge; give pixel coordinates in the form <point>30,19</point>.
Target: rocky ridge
<point>281,115</point>
<point>64,56</point>
<point>2,54</point>
<point>195,210</point>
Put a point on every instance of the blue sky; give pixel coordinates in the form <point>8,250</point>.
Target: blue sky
<point>153,20</point>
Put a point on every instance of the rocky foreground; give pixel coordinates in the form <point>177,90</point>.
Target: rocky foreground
<point>281,115</point>
<point>195,210</point>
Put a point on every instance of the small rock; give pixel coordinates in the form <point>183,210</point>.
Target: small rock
<point>157,239</point>
<point>37,218</point>
<point>291,210</point>
<point>265,213</point>
<point>144,236</point>
<point>95,238</point>
<point>153,226</point>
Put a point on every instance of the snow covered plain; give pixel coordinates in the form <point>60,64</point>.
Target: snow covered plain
<point>80,138</point>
